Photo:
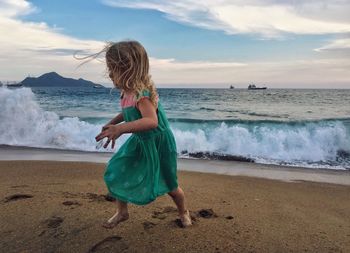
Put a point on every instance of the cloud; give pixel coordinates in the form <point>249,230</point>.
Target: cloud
<point>267,18</point>
<point>34,47</point>
<point>336,45</point>
<point>13,8</point>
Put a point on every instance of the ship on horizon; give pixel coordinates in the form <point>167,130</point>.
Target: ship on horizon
<point>253,87</point>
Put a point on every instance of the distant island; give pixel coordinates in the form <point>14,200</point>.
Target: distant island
<point>53,79</point>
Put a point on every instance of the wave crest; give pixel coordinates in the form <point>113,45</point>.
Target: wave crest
<point>323,142</point>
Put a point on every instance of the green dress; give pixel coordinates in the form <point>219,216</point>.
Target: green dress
<point>145,166</point>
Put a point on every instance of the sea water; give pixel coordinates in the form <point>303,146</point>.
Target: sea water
<point>297,127</point>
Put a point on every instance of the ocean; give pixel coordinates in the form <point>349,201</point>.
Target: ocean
<point>293,127</point>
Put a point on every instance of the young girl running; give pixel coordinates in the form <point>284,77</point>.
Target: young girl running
<point>145,166</point>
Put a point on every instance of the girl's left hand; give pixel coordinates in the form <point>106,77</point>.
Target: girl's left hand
<point>113,132</point>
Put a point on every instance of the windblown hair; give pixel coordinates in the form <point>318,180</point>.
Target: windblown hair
<point>128,65</point>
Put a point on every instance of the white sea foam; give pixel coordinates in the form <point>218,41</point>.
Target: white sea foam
<point>308,143</point>
<point>23,122</point>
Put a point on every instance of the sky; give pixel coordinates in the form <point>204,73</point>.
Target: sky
<point>217,43</point>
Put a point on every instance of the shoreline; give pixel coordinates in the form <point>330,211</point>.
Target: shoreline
<point>232,168</point>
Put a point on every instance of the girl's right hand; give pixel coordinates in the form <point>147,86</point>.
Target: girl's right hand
<point>112,132</point>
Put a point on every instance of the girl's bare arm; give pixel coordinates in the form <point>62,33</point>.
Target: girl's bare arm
<point>117,119</point>
<point>148,121</point>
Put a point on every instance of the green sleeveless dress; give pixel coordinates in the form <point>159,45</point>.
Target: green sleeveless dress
<point>145,166</point>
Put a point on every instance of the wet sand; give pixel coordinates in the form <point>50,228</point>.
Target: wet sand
<point>233,168</point>
<point>50,206</point>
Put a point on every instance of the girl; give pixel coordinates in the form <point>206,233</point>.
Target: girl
<point>145,165</point>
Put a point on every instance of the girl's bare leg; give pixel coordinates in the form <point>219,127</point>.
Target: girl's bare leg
<point>178,197</point>
<point>121,215</point>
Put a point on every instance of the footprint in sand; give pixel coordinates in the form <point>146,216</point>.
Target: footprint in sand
<point>206,213</point>
<point>53,222</point>
<point>148,225</point>
<point>161,215</point>
<point>17,197</point>
<point>109,244</point>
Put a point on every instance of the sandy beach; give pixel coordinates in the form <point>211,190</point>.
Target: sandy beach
<point>59,206</point>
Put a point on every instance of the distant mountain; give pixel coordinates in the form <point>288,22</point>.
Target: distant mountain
<point>53,79</point>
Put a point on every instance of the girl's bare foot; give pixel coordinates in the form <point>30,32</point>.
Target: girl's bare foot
<point>115,220</point>
<point>186,219</point>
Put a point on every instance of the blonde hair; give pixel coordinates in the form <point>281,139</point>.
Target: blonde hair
<point>128,65</point>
